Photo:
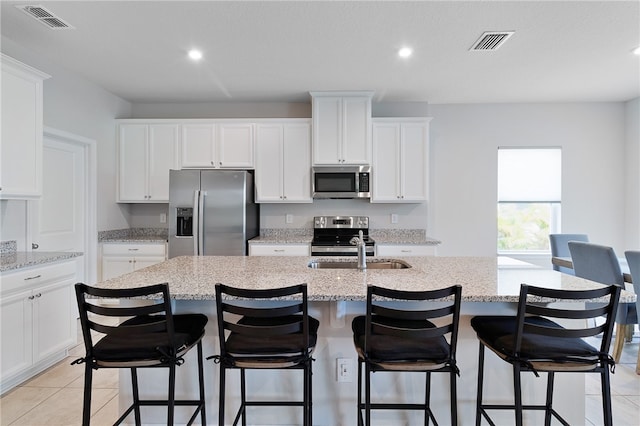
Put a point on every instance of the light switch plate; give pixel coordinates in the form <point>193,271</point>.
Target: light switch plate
<point>289,218</point>
<point>394,218</point>
<point>163,218</point>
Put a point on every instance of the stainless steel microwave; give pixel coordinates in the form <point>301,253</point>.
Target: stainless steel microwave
<point>341,182</point>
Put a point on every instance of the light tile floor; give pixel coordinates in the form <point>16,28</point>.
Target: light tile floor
<point>54,397</point>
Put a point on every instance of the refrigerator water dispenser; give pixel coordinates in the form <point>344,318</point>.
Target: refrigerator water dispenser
<point>184,221</point>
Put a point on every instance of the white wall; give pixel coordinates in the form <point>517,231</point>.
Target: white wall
<point>632,179</point>
<point>78,106</point>
<point>464,143</point>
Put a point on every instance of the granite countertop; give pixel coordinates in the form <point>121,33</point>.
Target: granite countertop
<point>134,235</point>
<point>13,261</point>
<point>484,279</point>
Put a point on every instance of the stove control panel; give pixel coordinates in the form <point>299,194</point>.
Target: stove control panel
<point>349,222</point>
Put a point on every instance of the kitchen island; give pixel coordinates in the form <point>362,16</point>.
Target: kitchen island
<point>490,286</point>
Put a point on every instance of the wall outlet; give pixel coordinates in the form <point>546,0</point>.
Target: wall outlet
<point>394,218</point>
<point>289,218</point>
<point>163,218</point>
<point>344,370</point>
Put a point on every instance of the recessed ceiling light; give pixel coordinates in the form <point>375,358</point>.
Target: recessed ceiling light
<point>405,52</point>
<point>195,54</point>
<point>636,51</point>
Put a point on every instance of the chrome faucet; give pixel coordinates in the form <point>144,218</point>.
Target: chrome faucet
<point>362,254</point>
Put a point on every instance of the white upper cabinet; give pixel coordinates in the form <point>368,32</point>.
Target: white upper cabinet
<point>341,128</point>
<point>283,162</point>
<point>400,160</point>
<point>146,154</point>
<point>21,149</point>
<point>219,144</point>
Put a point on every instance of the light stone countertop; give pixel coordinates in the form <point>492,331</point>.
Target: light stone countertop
<point>14,261</point>
<point>484,279</point>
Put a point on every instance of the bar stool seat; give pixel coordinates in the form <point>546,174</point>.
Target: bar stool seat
<point>145,336</point>
<point>393,338</point>
<point>532,341</point>
<point>259,336</point>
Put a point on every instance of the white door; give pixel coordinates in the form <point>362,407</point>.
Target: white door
<point>58,222</point>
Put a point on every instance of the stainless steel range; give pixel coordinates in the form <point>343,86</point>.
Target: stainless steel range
<point>332,235</point>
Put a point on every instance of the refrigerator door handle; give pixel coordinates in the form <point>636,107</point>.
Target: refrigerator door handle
<point>196,221</point>
<point>201,195</point>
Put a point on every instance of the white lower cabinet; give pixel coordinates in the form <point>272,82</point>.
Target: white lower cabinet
<point>303,249</point>
<point>122,258</point>
<point>405,250</point>
<point>37,308</point>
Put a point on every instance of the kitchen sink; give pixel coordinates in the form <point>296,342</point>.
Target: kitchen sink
<point>371,264</point>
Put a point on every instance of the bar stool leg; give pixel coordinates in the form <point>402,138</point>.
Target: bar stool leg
<point>517,391</point>
<point>427,398</point>
<point>549,402</point>
<point>454,398</point>
<point>243,397</point>
<point>480,382</point>
<point>223,372</point>
<point>367,395</point>
<point>359,404</point>
<point>172,394</point>
<point>136,396</point>
<point>203,416</point>
<point>88,383</point>
<point>606,396</point>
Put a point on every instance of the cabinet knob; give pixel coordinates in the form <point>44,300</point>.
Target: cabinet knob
<point>31,297</point>
<point>212,163</point>
<point>39,295</point>
<point>220,163</point>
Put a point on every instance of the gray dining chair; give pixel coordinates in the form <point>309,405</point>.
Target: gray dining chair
<point>600,264</point>
<point>559,248</point>
<point>633,259</point>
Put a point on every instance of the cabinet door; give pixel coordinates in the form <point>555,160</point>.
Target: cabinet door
<point>114,266</point>
<point>16,349</point>
<point>198,146</point>
<point>414,163</point>
<point>21,142</point>
<point>163,140</point>
<point>297,163</point>
<point>235,146</point>
<point>356,133</point>
<point>132,174</point>
<point>269,163</point>
<point>386,165</point>
<point>327,130</point>
<point>53,323</point>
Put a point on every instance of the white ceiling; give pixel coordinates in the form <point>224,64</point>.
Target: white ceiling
<point>572,51</point>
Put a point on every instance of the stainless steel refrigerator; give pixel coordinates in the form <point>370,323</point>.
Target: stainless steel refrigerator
<point>211,212</point>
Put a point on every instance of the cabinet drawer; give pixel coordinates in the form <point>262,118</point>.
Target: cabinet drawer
<point>405,250</point>
<point>133,249</point>
<point>36,276</point>
<point>279,250</point>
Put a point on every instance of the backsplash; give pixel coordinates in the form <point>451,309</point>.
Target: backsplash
<point>7,247</point>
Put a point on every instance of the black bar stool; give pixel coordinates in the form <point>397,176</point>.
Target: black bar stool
<point>388,338</point>
<point>531,341</point>
<point>147,336</point>
<point>272,336</point>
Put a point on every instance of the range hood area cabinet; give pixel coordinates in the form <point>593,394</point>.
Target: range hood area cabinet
<point>400,160</point>
<point>341,128</point>
<point>146,153</point>
<point>217,145</point>
<point>283,161</point>
<point>21,149</point>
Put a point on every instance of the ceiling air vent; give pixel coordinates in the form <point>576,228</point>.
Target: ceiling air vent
<point>45,17</point>
<point>491,40</point>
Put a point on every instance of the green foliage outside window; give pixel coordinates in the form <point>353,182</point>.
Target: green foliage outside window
<point>523,226</point>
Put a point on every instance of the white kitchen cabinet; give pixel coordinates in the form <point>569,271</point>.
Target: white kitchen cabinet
<point>283,162</point>
<point>405,250</point>
<point>122,258</point>
<point>400,160</point>
<point>38,320</point>
<point>146,154</point>
<point>341,128</point>
<point>301,249</point>
<point>218,144</point>
<point>21,142</point>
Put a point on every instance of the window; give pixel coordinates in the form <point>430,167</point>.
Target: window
<point>529,194</point>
